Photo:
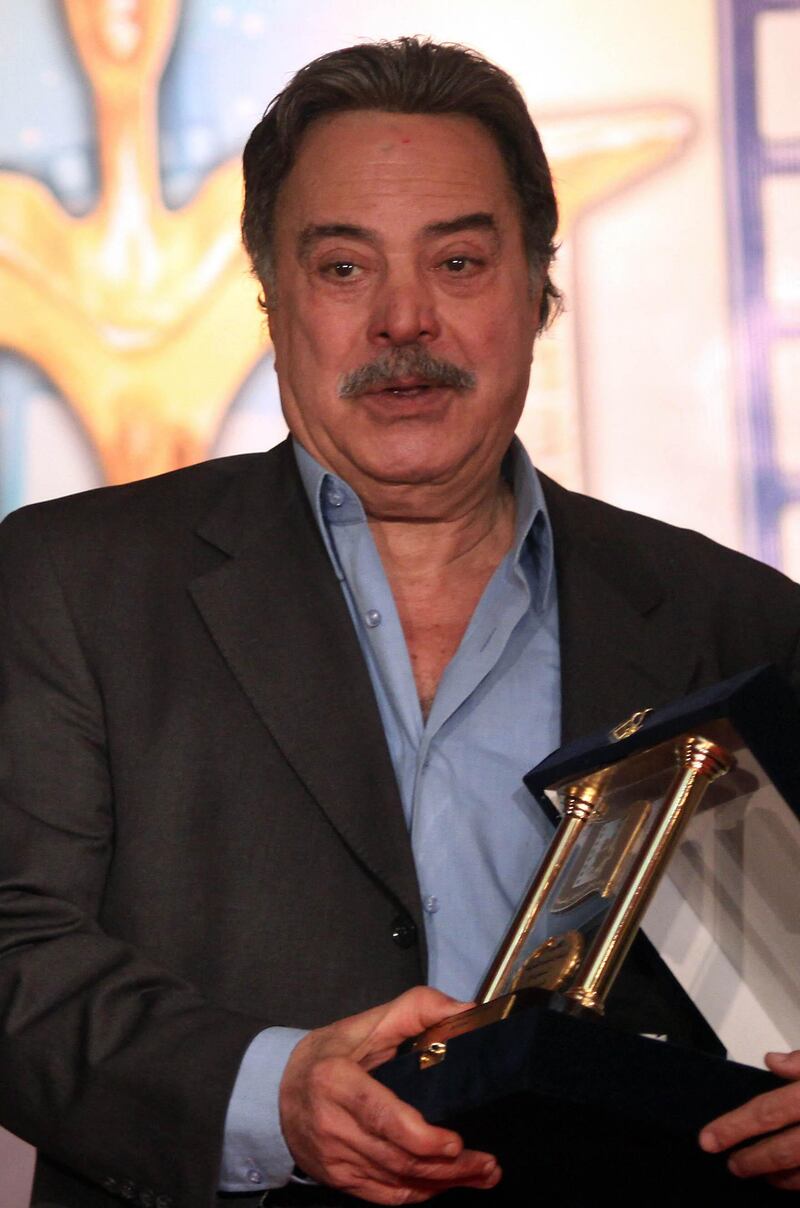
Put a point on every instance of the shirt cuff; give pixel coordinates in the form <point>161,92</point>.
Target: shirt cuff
<point>254,1155</point>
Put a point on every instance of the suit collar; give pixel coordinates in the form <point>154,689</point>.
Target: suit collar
<point>623,646</point>
<point>277,614</point>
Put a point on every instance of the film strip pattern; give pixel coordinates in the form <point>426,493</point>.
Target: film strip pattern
<point>760,49</point>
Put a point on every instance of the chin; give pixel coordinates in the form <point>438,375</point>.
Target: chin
<point>412,462</point>
<point>409,472</point>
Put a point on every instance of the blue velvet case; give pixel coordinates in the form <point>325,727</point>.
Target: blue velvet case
<point>583,1113</point>
<point>759,704</point>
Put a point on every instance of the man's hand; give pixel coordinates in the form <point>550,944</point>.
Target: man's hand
<point>777,1112</point>
<point>344,1129</point>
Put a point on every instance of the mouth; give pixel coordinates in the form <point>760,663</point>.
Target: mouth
<point>405,388</point>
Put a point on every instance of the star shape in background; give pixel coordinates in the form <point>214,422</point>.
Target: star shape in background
<point>145,318</point>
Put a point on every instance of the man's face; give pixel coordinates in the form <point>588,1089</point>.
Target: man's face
<point>404,318</point>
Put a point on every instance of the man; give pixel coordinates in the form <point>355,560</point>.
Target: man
<point>264,720</point>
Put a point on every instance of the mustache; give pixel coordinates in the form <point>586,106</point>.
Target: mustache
<point>411,361</point>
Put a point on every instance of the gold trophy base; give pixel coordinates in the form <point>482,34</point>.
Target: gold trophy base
<point>432,1043</point>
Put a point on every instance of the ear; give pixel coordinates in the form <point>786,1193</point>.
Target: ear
<point>273,324</point>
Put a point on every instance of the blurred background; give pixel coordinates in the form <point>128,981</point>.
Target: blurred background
<point>130,341</point>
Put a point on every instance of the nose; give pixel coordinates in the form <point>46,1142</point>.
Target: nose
<point>403,311</point>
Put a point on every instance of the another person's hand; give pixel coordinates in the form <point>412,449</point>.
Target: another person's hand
<point>347,1130</point>
<point>777,1156</point>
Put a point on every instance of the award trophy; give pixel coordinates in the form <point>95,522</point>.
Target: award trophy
<point>630,804</point>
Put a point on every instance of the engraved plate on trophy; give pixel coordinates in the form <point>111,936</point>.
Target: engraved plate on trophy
<point>620,824</point>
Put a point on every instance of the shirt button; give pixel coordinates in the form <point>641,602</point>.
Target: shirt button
<point>254,1176</point>
<point>373,618</point>
<point>430,903</point>
<point>334,496</point>
<point>404,931</point>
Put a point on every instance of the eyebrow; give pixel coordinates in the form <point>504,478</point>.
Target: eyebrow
<point>480,220</point>
<point>332,230</point>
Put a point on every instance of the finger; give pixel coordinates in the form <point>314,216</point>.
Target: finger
<point>390,1167</point>
<point>764,1114</point>
<point>787,1065</point>
<point>419,1176</point>
<point>407,1016</point>
<point>391,1163</point>
<point>354,1160</point>
<point>379,1193</point>
<point>412,1192</point>
<point>352,1153</point>
<point>381,1029</point>
<point>774,1155</point>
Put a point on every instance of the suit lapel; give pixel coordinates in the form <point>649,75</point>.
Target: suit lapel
<point>622,646</point>
<point>277,614</point>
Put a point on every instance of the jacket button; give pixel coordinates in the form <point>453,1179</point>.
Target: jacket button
<point>404,931</point>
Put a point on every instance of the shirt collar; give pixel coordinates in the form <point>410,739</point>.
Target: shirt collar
<point>332,499</point>
<point>532,531</point>
<point>334,502</point>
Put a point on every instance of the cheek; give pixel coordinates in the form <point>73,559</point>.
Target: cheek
<point>323,336</point>
<point>515,335</point>
<point>301,347</point>
<point>502,346</point>
<point>498,328</point>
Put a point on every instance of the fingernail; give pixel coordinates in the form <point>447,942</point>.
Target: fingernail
<point>451,1149</point>
<point>488,1168</point>
<point>708,1141</point>
<point>779,1058</point>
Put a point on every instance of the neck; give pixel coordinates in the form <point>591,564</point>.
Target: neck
<point>438,566</point>
<point>446,544</point>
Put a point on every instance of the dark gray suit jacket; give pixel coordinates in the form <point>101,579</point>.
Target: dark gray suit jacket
<point>201,830</point>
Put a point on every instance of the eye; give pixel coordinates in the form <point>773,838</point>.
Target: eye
<point>342,270</point>
<point>461,266</point>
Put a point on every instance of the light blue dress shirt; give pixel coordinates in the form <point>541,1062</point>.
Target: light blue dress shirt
<point>476,833</point>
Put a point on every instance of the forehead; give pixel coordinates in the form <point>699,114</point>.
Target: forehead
<point>380,168</point>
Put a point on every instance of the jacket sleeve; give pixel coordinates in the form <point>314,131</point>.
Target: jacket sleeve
<point>108,1063</point>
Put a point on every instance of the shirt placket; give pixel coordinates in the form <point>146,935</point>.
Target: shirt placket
<point>434,799</point>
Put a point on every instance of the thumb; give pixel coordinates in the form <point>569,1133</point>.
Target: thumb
<point>413,1012</point>
<point>785,1065</point>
